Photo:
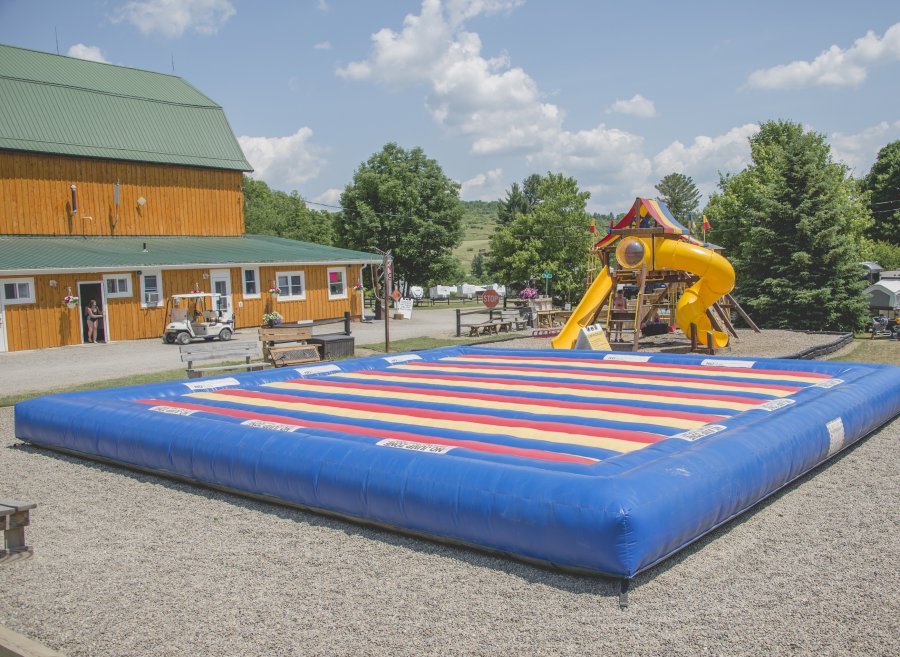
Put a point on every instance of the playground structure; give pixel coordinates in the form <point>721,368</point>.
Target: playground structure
<point>693,282</point>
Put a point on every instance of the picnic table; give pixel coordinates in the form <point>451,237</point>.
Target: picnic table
<point>489,328</point>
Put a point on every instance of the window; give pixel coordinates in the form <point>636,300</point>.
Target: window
<point>337,282</point>
<point>118,286</point>
<point>151,289</point>
<point>292,285</point>
<point>17,290</point>
<point>251,283</point>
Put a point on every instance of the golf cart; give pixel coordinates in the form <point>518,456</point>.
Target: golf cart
<point>194,316</point>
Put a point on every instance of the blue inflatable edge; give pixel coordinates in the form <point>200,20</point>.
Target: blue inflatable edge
<point>637,510</point>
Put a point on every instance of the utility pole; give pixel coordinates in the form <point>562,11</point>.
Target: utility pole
<point>387,266</point>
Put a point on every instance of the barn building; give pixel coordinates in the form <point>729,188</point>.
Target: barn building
<point>125,186</point>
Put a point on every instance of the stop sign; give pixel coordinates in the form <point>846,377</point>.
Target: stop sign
<point>490,298</point>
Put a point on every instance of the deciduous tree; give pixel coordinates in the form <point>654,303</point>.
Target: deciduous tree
<point>401,200</point>
<point>271,212</point>
<point>550,236</point>
<point>883,185</point>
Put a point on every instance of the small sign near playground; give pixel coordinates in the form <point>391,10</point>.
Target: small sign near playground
<point>396,296</point>
<point>592,338</point>
<point>490,298</point>
<point>547,274</point>
<point>404,307</point>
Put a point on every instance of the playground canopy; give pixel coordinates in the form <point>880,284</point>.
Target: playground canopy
<point>642,212</point>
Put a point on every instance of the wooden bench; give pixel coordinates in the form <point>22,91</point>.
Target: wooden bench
<point>288,346</point>
<point>220,351</point>
<point>489,328</point>
<point>13,520</point>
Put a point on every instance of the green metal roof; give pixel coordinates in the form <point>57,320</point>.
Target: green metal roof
<point>36,255</point>
<point>68,106</point>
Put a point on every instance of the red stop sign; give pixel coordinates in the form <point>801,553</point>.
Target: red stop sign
<point>490,298</point>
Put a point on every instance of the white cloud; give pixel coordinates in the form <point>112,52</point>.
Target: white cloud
<point>91,53</point>
<point>487,186</point>
<point>284,162</point>
<point>497,107</point>
<point>707,156</point>
<point>859,150</point>
<point>835,67</point>
<point>322,5</point>
<point>172,18</point>
<point>637,105</point>
<point>322,45</point>
<point>330,197</point>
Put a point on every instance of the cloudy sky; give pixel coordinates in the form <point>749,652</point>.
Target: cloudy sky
<point>616,94</point>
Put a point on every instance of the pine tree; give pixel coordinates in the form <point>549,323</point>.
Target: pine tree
<point>794,221</point>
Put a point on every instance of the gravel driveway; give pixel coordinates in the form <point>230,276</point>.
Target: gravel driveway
<point>132,564</point>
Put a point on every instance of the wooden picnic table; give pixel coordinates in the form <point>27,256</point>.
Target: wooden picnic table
<point>489,328</point>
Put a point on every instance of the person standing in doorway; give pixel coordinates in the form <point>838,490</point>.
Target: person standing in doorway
<point>92,316</point>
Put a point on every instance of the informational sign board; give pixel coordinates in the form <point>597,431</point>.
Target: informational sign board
<point>547,274</point>
<point>404,307</point>
<point>396,296</point>
<point>592,338</point>
<point>490,298</point>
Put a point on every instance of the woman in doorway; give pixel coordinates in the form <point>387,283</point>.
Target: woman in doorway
<point>92,316</point>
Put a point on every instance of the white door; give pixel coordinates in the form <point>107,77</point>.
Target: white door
<point>3,343</point>
<point>220,281</point>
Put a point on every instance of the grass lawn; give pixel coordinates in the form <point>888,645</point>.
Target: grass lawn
<point>866,350</point>
<point>151,377</point>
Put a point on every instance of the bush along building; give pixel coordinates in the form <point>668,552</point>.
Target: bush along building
<point>124,186</point>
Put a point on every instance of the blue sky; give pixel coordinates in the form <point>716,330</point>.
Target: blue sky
<point>615,94</point>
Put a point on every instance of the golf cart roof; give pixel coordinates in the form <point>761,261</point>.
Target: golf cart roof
<point>197,295</point>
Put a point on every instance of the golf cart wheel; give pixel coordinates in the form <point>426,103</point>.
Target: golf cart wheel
<point>225,334</point>
<point>169,338</point>
<point>183,338</point>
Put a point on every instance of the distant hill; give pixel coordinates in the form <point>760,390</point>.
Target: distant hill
<point>479,223</point>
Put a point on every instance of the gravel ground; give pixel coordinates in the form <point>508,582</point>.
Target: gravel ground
<point>132,564</point>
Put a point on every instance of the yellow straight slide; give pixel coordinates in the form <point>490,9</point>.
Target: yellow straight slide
<point>584,311</point>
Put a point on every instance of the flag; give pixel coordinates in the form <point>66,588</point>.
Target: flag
<point>593,226</point>
<point>690,222</point>
<point>609,228</point>
<point>706,225</point>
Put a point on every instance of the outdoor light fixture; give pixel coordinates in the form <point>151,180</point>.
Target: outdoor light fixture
<point>74,200</point>
<point>141,201</point>
<point>52,283</point>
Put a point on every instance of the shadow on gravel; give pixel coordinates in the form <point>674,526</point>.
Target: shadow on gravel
<point>599,585</point>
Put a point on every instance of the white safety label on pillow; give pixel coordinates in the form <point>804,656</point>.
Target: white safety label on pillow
<point>718,362</point>
<point>627,358</point>
<point>775,404</point>
<point>835,435</point>
<point>829,383</point>
<point>316,369</point>
<point>275,426</point>
<point>212,383</point>
<point>702,432</point>
<point>173,410</point>
<point>415,447</point>
<point>402,358</point>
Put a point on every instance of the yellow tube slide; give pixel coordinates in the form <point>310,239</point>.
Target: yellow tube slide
<point>715,272</point>
<point>584,311</point>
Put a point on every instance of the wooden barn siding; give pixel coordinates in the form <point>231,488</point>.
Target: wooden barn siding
<point>49,323</point>
<point>180,200</point>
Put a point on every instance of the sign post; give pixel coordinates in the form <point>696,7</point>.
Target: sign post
<point>547,275</point>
